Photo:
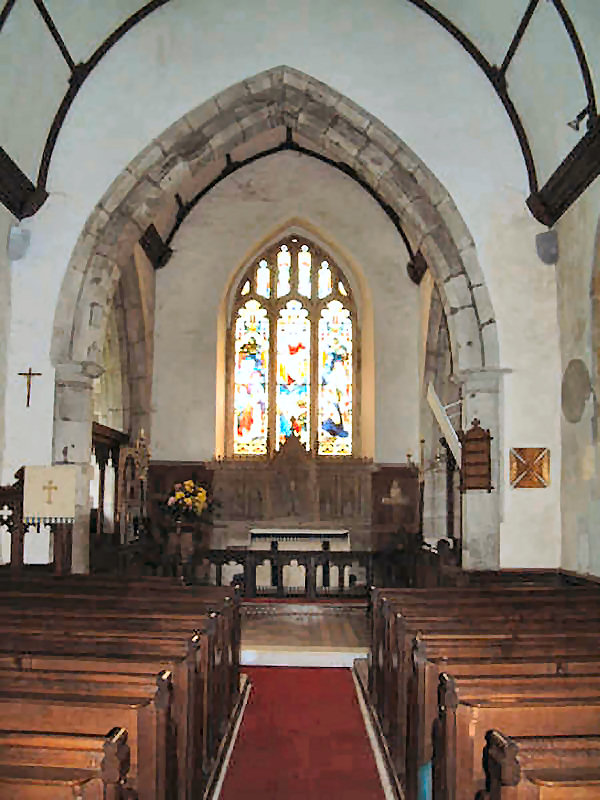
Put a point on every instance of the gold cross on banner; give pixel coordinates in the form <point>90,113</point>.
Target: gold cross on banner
<point>50,487</point>
<point>29,375</point>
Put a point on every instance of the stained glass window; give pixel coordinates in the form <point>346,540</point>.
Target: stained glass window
<point>293,353</point>
<point>335,380</point>
<point>304,261</point>
<point>250,400</point>
<point>263,279</point>
<point>293,373</point>
<point>324,280</point>
<point>284,261</point>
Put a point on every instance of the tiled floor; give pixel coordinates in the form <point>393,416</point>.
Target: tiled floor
<point>301,635</point>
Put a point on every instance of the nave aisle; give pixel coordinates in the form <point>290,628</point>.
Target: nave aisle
<point>302,737</point>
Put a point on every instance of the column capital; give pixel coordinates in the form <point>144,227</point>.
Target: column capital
<point>76,374</point>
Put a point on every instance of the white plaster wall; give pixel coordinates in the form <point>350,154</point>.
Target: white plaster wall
<point>5,221</point>
<point>578,253</point>
<point>184,53</point>
<point>386,56</point>
<point>524,295</point>
<point>226,227</point>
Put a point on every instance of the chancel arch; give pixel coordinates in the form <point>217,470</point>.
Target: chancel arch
<point>185,159</point>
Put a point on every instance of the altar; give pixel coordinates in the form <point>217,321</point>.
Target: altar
<point>298,539</point>
<point>297,501</point>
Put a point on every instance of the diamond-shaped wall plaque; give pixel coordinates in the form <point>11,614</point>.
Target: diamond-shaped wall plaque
<point>529,467</point>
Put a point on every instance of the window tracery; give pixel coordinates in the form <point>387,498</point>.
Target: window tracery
<point>293,342</point>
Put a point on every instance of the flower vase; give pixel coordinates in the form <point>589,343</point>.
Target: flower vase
<point>185,536</point>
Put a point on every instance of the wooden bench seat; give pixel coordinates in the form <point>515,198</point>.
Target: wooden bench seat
<point>214,673</point>
<point>429,661</point>
<point>144,714</point>
<point>105,639</point>
<point>522,642</point>
<point>227,637</point>
<point>532,767</point>
<point>458,606</point>
<point>469,707</point>
<point>55,765</point>
<point>546,626</point>
<point>195,729</point>
<point>225,658</point>
<point>51,783</point>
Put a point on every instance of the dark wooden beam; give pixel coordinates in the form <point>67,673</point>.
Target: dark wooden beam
<point>157,251</point>
<point>17,192</point>
<point>569,181</point>
<point>516,41</point>
<point>586,74</point>
<point>103,434</point>
<point>80,73</point>
<point>45,15</point>
<point>289,144</point>
<point>6,11</point>
<point>416,268</point>
<point>496,78</point>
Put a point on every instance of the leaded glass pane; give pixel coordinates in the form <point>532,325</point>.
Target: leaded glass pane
<point>284,260</point>
<point>324,280</point>
<point>304,261</point>
<point>250,401</point>
<point>293,373</point>
<point>335,380</point>
<point>246,288</point>
<point>342,289</point>
<point>263,279</point>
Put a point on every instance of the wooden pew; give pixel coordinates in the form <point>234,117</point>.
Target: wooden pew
<point>429,660</point>
<point>218,698</point>
<point>469,707</point>
<point>52,766</point>
<point>515,608</point>
<point>203,600</point>
<point>536,767</point>
<point>509,643</point>
<point>144,710</point>
<point>77,595</point>
<point>186,661</point>
<point>221,697</point>
<point>511,600</point>
<point>114,611</point>
<point>443,610</point>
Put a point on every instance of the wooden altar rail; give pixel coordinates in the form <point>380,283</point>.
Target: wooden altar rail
<point>309,559</point>
<point>138,558</point>
<point>62,533</point>
<point>407,566</point>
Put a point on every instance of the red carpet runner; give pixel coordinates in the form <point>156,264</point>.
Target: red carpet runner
<point>302,738</point>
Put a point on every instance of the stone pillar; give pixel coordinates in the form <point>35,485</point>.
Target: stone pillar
<point>480,509</point>
<point>72,443</point>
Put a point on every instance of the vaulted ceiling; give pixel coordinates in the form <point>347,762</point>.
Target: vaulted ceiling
<point>539,56</point>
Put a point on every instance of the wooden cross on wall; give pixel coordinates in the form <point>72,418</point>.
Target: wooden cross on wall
<point>29,375</point>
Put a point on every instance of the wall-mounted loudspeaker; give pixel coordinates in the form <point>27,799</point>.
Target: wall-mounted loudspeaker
<point>546,244</point>
<point>18,242</point>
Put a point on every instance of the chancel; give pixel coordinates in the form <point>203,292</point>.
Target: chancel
<point>299,367</point>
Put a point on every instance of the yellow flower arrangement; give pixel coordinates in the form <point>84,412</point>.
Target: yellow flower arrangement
<point>188,499</point>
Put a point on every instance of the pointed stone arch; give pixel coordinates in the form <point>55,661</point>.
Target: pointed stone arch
<point>329,124</point>
<point>278,102</point>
